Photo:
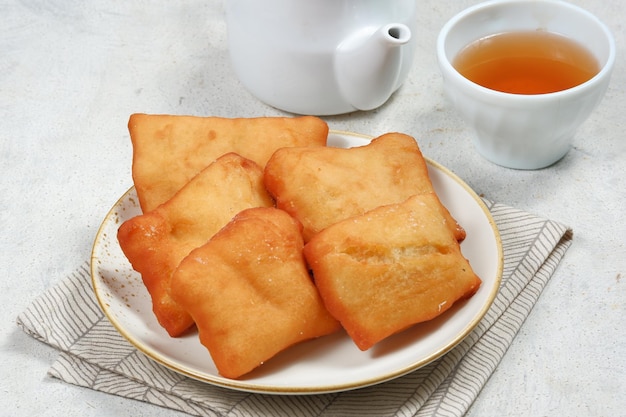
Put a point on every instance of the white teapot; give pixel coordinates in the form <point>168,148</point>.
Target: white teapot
<point>321,57</point>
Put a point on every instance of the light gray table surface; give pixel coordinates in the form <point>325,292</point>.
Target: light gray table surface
<point>71,73</point>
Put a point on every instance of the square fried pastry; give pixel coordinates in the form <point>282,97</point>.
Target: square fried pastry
<point>155,242</point>
<point>169,150</point>
<point>390,268</point>
<point>322,186</point>
<point>250,293</point>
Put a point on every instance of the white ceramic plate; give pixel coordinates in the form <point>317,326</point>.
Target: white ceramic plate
<point>328,364</point>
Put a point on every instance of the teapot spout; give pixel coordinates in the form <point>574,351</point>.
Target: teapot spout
<point>368,64</point>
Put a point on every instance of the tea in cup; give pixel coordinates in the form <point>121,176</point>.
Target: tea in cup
<point>525,75</point>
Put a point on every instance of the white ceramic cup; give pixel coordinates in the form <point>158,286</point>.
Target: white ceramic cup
<point>515,130</point>
<point>321,57</point>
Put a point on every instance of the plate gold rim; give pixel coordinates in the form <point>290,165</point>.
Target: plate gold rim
<point>242,385</point>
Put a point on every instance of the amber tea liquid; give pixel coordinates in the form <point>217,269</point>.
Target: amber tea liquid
<point>530,62</point>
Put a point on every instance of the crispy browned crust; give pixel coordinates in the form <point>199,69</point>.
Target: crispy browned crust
<point>322,186</point>
<point>250,293</point>
<point>155,242</point>
<point>390,268</point>
<point>169,150</point>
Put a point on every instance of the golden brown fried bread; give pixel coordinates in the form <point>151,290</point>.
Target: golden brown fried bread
<point>169,150</point>
<point>155,242</point>
<point>249,291</point>
<point>390,268</point>
<point>322,186</point>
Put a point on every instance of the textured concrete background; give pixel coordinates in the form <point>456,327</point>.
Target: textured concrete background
<point>71,72</point>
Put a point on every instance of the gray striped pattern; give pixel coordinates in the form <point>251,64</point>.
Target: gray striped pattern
<point>94,355</point>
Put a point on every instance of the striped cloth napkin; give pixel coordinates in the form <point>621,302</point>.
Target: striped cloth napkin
<point>92,354</point>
